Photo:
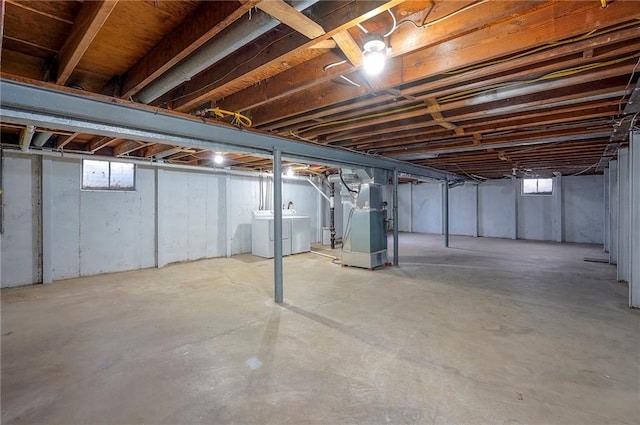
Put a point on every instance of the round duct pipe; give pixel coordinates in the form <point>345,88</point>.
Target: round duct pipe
<point>230,40</point>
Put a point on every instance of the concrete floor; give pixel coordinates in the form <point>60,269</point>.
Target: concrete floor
<point>487,332</point>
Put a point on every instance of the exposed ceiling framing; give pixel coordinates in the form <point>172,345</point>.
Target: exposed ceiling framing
<point>474,88</point>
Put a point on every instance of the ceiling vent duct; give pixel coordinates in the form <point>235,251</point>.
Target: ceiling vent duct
<point>41,138</point>
<point>227,42</point>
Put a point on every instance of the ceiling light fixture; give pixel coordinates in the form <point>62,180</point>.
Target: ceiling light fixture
<point>218,159</point>
<point>290,172</point>
<point>374,54</point>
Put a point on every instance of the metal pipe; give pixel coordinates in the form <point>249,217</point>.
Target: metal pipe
<point>239,34</point>
<point>446,213</point>
<point>333,257</point>
<point>396,249</point>
<point>332,215</point>
<point>318,189</point>
<point>277,225</point>
<point>41,138</point>
<point>25,137</point>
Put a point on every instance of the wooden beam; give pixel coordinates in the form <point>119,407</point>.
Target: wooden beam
<point>91,17</point>
<point>324,44</point>
<point>62,143</point>
<point>99,143</point>
<point>155,149</point>
<point>478,78</point>
<point>349,47</point>
<point>439,119</point>
<point>254,68</point>
<point>197,28</point>
<point>504,101</point>
<point>291,17</point>
<point>59,11</point>
<point>128,146</point>
<point>543,25</point>
<point>294,80</point>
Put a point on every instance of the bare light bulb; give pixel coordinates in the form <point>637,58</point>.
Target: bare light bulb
<point>218,159</point>
<point>374,54</point>
<point>290,172</point>
<point>374,62</point>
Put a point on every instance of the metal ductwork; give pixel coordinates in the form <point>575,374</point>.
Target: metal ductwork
<point>26,136</point>
<point>230,40</point>
<point>41,138</point>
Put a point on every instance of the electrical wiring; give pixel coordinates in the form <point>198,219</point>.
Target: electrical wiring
<point>347,227</point>
<point>452,14</point>
<point>331,65</point>
<point>426,24</point>
<point>590,34</point>
<point>346,185</point>
<point>393,27</point>
<point>353,83</point>
<point>237,118</point>
<point>360,118</point>
<point>406,21</point>
<point>475,177</point>
<point>550,76</point>
<point>470,93</point>
<point>633,72</point>
<point>585,170</point>
<point>395,24</point>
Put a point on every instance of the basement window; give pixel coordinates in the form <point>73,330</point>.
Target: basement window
<point>537,186</point>
<point>107,175</point>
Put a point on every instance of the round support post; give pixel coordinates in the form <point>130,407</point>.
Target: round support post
<point>396,248</point>
<point>277,226</point>
<point>446,213</point>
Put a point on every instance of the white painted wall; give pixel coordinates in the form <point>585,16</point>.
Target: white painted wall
<point>534,218</point>
<point>427,208</point>
<point>102,231</point>
<point>583,214</point>
<point>496,209</point>
<point>191,211</point>
<point>624,219</point>
<point>573,214</point>
<point>21,240</point>
<point>463,214</point>
<point>405,196</point>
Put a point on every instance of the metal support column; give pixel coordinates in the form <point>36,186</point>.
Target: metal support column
<point>634,231</point>
<point>228,226</point>
<point>332,215</point>
<point>277,225</point>
<point>446,213</point>
<point>395,218</point>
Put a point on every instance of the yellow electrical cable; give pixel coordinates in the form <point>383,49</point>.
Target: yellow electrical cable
<point>363,117</point>
<point>472,92</point>
<point>550,76</point>
<point>238,118</point>
<point>590,34</point>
